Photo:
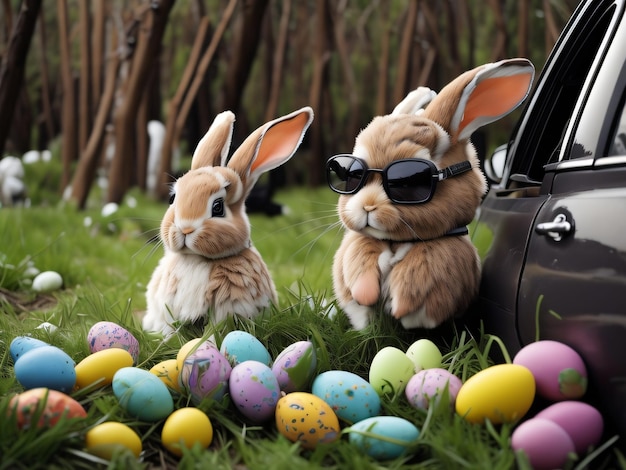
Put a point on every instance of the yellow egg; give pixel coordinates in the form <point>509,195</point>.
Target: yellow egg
<point>167,371</point>
<point>104,439</point>
<point>502,394</point>
<point>305,418</point>
<point>184,428</point>
<point>184,351</point>
<point>101,366</point>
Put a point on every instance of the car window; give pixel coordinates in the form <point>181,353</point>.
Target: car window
<point>554,104</point>
<point>618,142</point>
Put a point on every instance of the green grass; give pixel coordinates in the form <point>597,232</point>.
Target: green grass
<point>106,265</point>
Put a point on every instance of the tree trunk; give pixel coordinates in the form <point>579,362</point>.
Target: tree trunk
<point>13,65</point>
<point>46,96</point>
<point>500,46</point>
<point>406,50</point>
<point>85,109</point>
<point>98,50</point>
<point>150,34</point>
<point>523,13</point>
<point>278,62</point>
<point>384,61</point>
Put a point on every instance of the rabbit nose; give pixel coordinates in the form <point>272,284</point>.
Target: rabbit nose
<point>187,230</point>
<point>369,208</point>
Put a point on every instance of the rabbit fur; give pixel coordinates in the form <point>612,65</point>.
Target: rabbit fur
<point>209,266</point>
<point>398,258</point>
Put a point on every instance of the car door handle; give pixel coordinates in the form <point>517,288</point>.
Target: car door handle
<point>556,229</point>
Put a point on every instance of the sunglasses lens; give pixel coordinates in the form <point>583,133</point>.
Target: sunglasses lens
<point>410,181</point>
<point>345,173</point>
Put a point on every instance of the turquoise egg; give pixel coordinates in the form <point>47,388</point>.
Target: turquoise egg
<point>383,437</point>
<point>46,366</point>
<point>22,344</point>
<point>240,346</point>
<point>142,394</point>
<point>351,397</point>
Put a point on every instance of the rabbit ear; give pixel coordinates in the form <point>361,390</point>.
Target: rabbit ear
<point>415,101</point>
<point>212,150</point>
<point>270,146</point>
<point>481,96</point>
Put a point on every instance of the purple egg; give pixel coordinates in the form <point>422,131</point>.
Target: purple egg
<point>205,373</point>
<point>107,335</point>
<point>295,367</point>
<point>545,443</point>
<point>254,390</point>
<point>428,385</point>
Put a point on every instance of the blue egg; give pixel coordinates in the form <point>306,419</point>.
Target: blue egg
<point>46,366</point>
<point>383,437</point>
<point>240,346</point>
<point>22,344</point>
<point>142,394</point>
<point>351,397</point>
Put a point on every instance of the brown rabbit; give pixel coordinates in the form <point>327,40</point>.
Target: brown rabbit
<point>210,265</point>
<point>408,190</point>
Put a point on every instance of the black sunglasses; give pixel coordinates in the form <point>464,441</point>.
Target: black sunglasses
<point>408,181</point>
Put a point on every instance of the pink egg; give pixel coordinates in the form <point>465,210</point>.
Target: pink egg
<point>107,335</point>
<point>428,385</point>
<point>205,373</point>
<point>545,443</point>
<point>295,366</point>
<point>559,371</point>
<point>254,390</point>
<point>581,421</point>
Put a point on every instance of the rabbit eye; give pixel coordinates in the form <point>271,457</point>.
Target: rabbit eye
<point>172,197</point>
<point>217,210</point>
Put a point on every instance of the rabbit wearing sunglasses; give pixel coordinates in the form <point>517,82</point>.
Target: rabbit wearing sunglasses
<point>407,193</point>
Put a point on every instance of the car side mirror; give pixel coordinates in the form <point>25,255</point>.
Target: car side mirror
<point>494,165</point>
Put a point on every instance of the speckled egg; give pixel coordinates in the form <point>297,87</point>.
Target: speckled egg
<point>305,418</point>
<point>559,371</point>
<point>205,374</point>
<point>383,437</point>
<point>545,443</point>
<point>295,366</point>
<point>107,335</point>
<point>427,387</point>
<point>20,345</point>
<point>240,346</point>
<point>26,406</point>
<point>390,371</point>
<point>254,390</point>
<point>351,397</point>
<point>142,394</point>
<point>46,366</point>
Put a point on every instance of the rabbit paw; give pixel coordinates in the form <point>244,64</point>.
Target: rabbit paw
<point>365,289</point>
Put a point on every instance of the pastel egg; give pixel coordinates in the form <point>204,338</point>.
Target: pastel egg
<point>305,418</point>
<point>427,387</point>
<point>240,346</point>
<point>168,372</point>
<point>185,428</point>
<point>205,374</point>
<point>424,354</point>
<point>46,366</point>
<point>107,438</point>
<point>190,347</point>
<point>20,345</point>
<point>545,443</point>
<point>98,369</point>
<point>27,407</point>
<point>351,397</point>
<point>107,335</point>
<point>47,281</point>
<point>502,394</point>
<point>295,366</point>
<point>383,437</point>
<point>582,422</point>
<point>390,371</point>
<point>142,394</point>
<point>559,371</point>
<point>254,390</point>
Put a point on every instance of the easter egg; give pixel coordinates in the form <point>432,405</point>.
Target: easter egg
<point>424,354</point>
<point>189,347</point>
<point>390,371</point>
<point>239,346</point>
<point>351,397</point>
<point>559,371</point>
<point>20,345</point>
<point>98,368</point>
<point>168,372</point>
<point>107,335</point>
<point>142,394</point>
<point>545,443</point>
<point>582,422</point>
<point>48,367</point>
<point>47,281</point>
<point>106,438</point>
<point>295,366</point>
<point>502,394</point>
<point>427,386</point>
<point>205,374</point>
<point>254,390</point>
<point>55,405</point>
<point>383,437</point>
<point>305,418</point>
<point>185,428</point>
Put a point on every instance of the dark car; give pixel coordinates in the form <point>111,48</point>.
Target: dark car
<point>551,231</point>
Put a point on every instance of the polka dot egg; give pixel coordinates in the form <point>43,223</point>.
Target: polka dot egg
<point>107,335</point>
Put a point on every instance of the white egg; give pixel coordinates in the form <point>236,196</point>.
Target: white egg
<point>47,281</point>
